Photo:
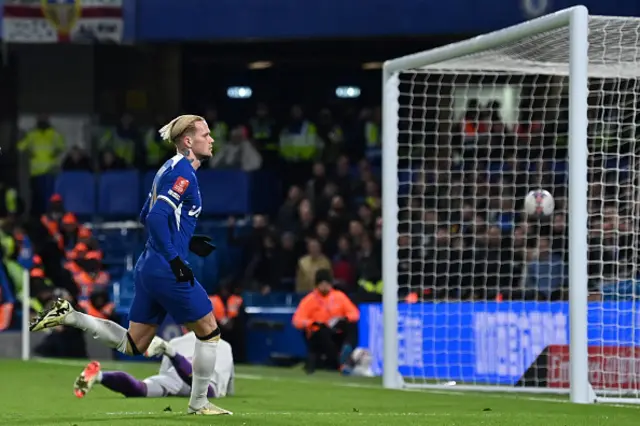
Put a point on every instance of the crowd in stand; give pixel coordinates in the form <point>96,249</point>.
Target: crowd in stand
<point>63,259</point>
<point>462,233</point>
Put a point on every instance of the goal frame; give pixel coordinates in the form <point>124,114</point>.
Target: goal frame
<point>577,20</point>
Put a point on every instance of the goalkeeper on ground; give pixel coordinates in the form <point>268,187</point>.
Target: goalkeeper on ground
<point>174,377</point>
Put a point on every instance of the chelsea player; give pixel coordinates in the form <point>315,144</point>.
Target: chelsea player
<point>164,283</point>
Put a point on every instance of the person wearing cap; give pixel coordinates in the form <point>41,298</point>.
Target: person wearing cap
<point>52,218</point>
<point>91,277</point>
<point>328,319</point>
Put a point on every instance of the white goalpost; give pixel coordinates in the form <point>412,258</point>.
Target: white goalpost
<point>477,295</point>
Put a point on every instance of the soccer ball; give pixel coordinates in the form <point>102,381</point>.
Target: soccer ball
<point>539,203</point>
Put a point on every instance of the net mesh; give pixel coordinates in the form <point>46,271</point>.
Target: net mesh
<point>483,287</point>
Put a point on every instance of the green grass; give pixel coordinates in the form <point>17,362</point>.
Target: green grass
<point>40,393</point>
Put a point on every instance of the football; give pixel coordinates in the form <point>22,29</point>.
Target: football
<point>539,203</point>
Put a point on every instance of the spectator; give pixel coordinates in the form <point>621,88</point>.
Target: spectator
<point>306,221</point>
<point>263,131</point>
<point>326,239</point>
<point>98,305</point>
<point>337,216</point>
<point>76,160</point>
<point>366,217</point>
<point>238,154</point>
<point>331,134</point>
<point>344,265</point>
<point>219,128</point>
<point>287,261</point>
<point>125,141</point>
<point>69,230</point>
<point>44,146</point>
<point>546,271</point>
<point>229,311</point>
<point>288,213</point>
<point>309,265</point>
<point>328,319</point>
<point>322,204</point>
<point>343,177</point>
<point>263,271</point>
<point>10,201</point>
<point>91,277</point>
<point>356,233</point>
<point>109,161</point>
<point>373,136</point>
<point>369,270</point>
<point>251,242</point>
<point>157,150</point>
<point>316,184</point>
<point>299,146</point>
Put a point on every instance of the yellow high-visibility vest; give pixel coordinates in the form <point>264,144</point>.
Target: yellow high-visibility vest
<point>44,148</point>
<point>370,286</point>
<point>302,146</point>
<point>372,135</point>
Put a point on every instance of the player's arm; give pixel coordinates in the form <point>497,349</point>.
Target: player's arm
<point>302,317</point>
<point>170,194</point>
<point>145,210</point>
<point>157,224</point>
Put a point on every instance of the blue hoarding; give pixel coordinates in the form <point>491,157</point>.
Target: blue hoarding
<point>154,20</point>
<point>489,342</point>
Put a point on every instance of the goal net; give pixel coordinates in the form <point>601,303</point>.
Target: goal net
<point>488,297</point>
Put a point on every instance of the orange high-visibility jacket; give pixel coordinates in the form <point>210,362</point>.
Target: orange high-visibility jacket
<point>230,311</point>
<point>315,307</point>
<point>103,313</point>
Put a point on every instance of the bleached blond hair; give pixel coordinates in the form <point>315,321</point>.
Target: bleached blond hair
<point>174,130</point>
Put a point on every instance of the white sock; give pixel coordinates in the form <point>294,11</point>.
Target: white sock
<point>99,377</point>
<point>204,365</point>
<point>108,332</point>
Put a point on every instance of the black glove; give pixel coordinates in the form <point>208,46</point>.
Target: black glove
<point>201,245</point>
<point>182,272</point>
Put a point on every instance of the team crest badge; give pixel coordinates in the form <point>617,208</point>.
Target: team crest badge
<point>62,14</point>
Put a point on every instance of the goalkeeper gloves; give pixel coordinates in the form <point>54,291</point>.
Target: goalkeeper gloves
<point>182,272</point>
<point>201,245</point>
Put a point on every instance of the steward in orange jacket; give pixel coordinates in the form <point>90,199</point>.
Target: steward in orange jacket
<point>329,320</point>
<point>228,309</point>
<point>99,305</point>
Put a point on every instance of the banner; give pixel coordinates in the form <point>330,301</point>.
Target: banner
<point>162,20</point>
<point>491,342</point>
<point>610,367</point>
<point>54,21</point>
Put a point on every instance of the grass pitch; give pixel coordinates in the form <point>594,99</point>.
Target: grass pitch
<point>40,393</point>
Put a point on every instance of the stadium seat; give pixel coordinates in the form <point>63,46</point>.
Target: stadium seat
<point>78,190</point>
<point>119,194</point>
<point>225,192</point>
<point>147,182</point>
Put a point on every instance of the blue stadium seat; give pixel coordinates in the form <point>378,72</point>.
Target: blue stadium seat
<point>225,192</point>
<point>78,190</point>
<point>147,182</point>
<point>119,194</point>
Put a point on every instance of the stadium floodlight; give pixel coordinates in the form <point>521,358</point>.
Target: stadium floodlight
<point>574,77</point>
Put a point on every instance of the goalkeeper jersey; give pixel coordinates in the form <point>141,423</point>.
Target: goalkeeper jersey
<point>174,194</point>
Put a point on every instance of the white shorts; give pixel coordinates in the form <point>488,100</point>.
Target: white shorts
<point>168,382</point>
